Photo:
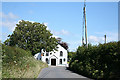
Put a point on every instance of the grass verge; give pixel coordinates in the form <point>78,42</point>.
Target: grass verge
<point>18,63</point>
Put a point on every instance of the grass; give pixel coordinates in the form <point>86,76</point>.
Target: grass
<point>18,63</point>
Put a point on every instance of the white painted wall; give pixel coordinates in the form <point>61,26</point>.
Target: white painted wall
<point>56,55</point>
<point>37,56</point>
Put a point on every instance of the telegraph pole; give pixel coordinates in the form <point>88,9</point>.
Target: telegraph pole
<point>84,25</point>
<point>105,38</point>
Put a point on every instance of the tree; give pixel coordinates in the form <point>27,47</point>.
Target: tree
<point>71,55</point>
<point>32,36</point>
<point>59,39</point>
<point>63,44</point>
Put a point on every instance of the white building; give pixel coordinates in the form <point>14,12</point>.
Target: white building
<point>54,58</point>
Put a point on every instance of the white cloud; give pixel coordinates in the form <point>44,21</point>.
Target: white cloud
<point>3,36</point>
<point>110,36</point>
<point>95,39</point>
<point>46,24</point>
<point>31,12</point>
<point>73,44</point>
<point>9,20</point>
<point>8,16</point>
<point>9,24</point>
<point>62,32</point>
<point>55,36</point>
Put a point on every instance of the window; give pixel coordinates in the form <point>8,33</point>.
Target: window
<point>64,59</point>
<point>47,54</point>
<point>61,53</point>
<point>44,50</point>
<point>42,54</point>
<point>47,61</point>
<point>60,61</point>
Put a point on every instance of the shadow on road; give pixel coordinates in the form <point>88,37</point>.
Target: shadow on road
<point>68,69</point>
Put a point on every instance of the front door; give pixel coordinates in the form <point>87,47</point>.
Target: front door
<point>53,62</point>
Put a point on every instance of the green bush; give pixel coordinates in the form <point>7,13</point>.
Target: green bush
<point>70,55</point>
<point>102,61</point>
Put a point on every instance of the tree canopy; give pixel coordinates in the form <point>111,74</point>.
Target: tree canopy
<point>63,44</point>
<point>32,36</point>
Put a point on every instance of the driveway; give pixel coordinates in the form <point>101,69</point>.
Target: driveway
<point>58,72</point>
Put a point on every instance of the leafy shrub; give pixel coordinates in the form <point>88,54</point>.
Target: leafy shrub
<point>102,61</point>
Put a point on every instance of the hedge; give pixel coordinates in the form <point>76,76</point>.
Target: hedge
<point>102,61</point>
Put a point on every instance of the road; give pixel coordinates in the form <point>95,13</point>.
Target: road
<point>58,72</point>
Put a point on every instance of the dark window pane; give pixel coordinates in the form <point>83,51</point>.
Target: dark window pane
<point>60,61</point>
<point>64,59</point>
<point>47,54</point>
<point>61,53</point>
<point>47,61</point>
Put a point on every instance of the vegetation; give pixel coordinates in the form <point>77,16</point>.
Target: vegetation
<point>0,60</point>
<point>63,44</point>
<point>27,38</point>
<point>70,55</point>
<point>18,63</point>
<point>102,61</point>
<point>32,36</point>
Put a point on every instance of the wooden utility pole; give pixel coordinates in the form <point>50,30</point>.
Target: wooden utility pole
<point>105,38</point>
<point>84,25</point>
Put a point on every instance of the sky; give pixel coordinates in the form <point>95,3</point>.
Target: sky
<point>59,0</point>
<point>64,19</point>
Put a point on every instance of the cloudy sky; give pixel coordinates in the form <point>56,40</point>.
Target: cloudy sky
<point>64,19</point>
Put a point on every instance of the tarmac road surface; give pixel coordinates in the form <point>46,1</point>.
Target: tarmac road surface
<point>58,72</point>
